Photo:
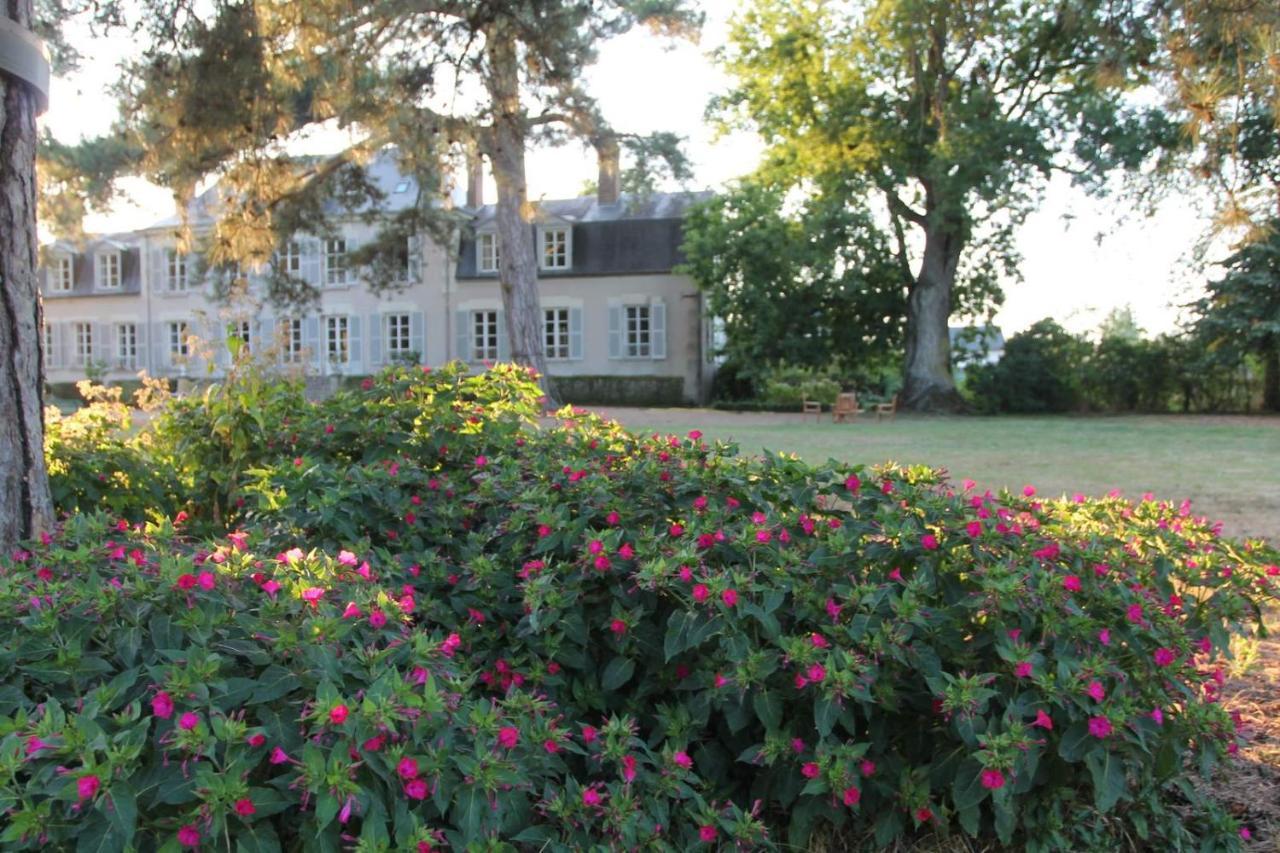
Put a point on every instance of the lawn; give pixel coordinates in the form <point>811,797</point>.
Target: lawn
<point>1228,466</point>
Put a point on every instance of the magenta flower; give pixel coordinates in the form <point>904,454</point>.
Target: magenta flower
<point>1134,614</point>
<point>34,745</point>
<point>618,627</point>
<point>1071,583</point>
<point>162,705</point>
<point>87,786</point>
<point>992,780</point>
<point>729,597</point>
<point>929,542</point>
<point>279,756</point>
<point>416,789</point>
<point>1158,716</point>
<point>481,461</point>
<point>271,588</point>
<point>810,770</point>
<point>1099,727</point>
<point>346,558</point>
<point>676,531</point>
<point>707,833</point>
<point>1095,691</point>
<point>590,797</point>
<point>867,768</point>
<point>851,795</point>
<point>700,592</point>
<point>206,580</point>
<point>589,734</point>
<point>612,519</point>
<point>682,760</point>
<point>974,529</point>
<point>1165,656</point>
<point>377,618</point>
<point>338,714</point>
<point>816,672</point>
<point>188,721</point>
<point>853,483</point>
<point>1043,720</point>
<point>189,836</point>
<point>407,768</point>
<point>245,807</point>
<point>1104,637</point>
<point>256,739</point>
<point>1022,669</point>
<point>352,611</point>
<point>508,737</point>
<point>312,595</point>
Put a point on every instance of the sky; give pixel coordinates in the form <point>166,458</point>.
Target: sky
<point>1082,256</point>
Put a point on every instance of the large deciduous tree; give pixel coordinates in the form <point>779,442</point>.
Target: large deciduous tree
<point>25,505</point>
<point>226,87</point>
<point>949,113</point>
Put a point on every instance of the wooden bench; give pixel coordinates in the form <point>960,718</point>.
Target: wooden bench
<point>887,409</point>
<point>813,407</point>
<point>846,408</point>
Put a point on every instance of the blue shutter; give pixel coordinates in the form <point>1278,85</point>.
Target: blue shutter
<point>418,335</point>
<point>311,339</point>
<point>463,336</point>
<point>615,331</point>
<point>311,257</point>
<point>375,341</point>
<point>140,361</point>
<point>266,336</point>
<point>575,333</point>
<point>353,343</point>
<point>658,329</point>
<point>504,345</point>
<point>101,342</point>
<point>159,345</point>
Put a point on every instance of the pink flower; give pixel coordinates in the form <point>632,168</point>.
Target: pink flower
<point>819,641</point>
<point>271,588</point>
<point>992,780</point>
<point>312,595</point>
<point>256,739</point>
<point>851,795</point>
<point>550,746</point>
<point>293,555</point>
<point>1158,716</point>
<point>279,756</point>
<point>407,768</point>
<point>700,592</point>
<point>34,745</point>
<point>589,734</point>
<point>1104,637</point>
<point>1134,614</point>
<point>682,760</point>
<point>338,714</point>
<point>797,745</point>
<point>626,552</point>
<point>508,737</point>
<point>245,807</point>
<point>377,618</point>
<point>1028,490</point>
<point>590,797</point>
<point>346,558</point>
<point>676,530</point>
<point>162,705</point>
<point>612,519</point>
<point>810,770</point>
<point>188,721</point>
<point>729,597</point>
<point>544,530</point>
<point>1096,691</point>
<point>1165,656</point>
<point>352,611</point>
<point>763,536</point>
<point>867,768</point>
<point>1071,583</point>
<point>695,434</point>
<point>206,580</point>
<point>816,672</point>
<point>1099,727</point>
<point>189,836</point>
<point>929,542</point>
<point>629,768</point>
<point>707,833</point>
<point>1043,721</point>
<point>481,461</point>
<point>974,529</point>
<point>1023,669</point>
<point>923,815</point>
<point>853,483</point>
<point>618,627</point>
<point>87,786</point>
<point>416,789</point>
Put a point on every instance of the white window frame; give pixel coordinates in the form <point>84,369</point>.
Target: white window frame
<point>46,340</point>
<point>242,329</point>
<point>554,248</point>
<point>290,257</point>
<point>127,345</point>
<point>175,272</point>
<point>337,338</point>
<point>292,347</point>
<point>336,270</point>
<point>555,333</point>
<point>637,330</point>
<point>178,333</point>
<point>106,271</point>
<point>397,332</point>
<point>62,277</point>
<point>487,259</point>
<point>83,333</point>
<point>484,335</point>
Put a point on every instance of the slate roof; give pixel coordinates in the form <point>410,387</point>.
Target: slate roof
<point>631,237</point>
<point>83,265</point>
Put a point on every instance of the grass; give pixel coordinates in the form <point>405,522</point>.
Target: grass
<point>1229,466</point>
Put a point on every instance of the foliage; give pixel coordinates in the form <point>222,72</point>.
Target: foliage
<point>810,284</point>
<point>1042,370</point>
<point>583,637</point>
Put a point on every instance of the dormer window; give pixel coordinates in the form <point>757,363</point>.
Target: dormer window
<point>487,252</point>
<point>555,248</point>
<point>61,274</point>
<point>107,271</point>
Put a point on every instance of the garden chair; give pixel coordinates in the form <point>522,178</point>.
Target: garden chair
<point>887,409</point>
<point>813,407</point>
<point>846,408</point>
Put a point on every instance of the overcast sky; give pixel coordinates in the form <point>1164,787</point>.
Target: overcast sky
<point>1082,256</point>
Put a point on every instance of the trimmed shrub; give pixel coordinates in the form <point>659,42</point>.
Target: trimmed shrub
<point>621,390</point>
<point>575,637</point>
<point>1041,371</point>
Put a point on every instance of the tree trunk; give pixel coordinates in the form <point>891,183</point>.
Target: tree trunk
<point>927,382</point>
<point>26,508</point>
<point>1271,379</point>
<point>517,258</point>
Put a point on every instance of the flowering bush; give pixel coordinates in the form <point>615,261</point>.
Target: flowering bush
<point>447,625</point>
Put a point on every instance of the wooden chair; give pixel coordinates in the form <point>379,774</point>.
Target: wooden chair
<point>813,407</point>
<point>846,408</point>
<point>887,409</point>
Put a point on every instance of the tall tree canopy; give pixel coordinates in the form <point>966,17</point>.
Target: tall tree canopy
<point>948,114</point>
<point>224,87</point>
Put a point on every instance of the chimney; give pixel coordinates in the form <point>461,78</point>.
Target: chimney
<point>475,179</point>
<point>607,157</point>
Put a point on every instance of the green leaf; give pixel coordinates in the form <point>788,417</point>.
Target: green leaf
<point>1006,818</point>
<point>768,705</point>
<point>617,673</point>
<point>123,814</point>
<point>1109,783</point>
<point>468,812</point>
<point>825,714</point>
<point>967,790</point>
<point>1076,742</point>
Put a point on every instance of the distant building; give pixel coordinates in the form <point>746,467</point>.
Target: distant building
<point>612,304</point>
<point>974,345</point>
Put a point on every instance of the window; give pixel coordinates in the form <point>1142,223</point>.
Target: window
<point>175,271</point>
<point>399,338</point>
<point>556,326</point>
<point>290,258</point>
<point>179,345</point>
<point>243,330</point>
<point>337,339</point>
<point>487,252</point>
<point>84,343</point>
<point>637,340</point>
<point>108,271</point>
<point>46,341</point>
<point>127,345</point>
<point>335,261</point>
<point>555,248</point>
<point>292,334</point>
<point>62,274</point>
<point>484,335</point>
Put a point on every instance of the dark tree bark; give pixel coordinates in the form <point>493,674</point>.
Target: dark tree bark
<point>928,385</point>
<point>26,508</point>
<point>504,144</point>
